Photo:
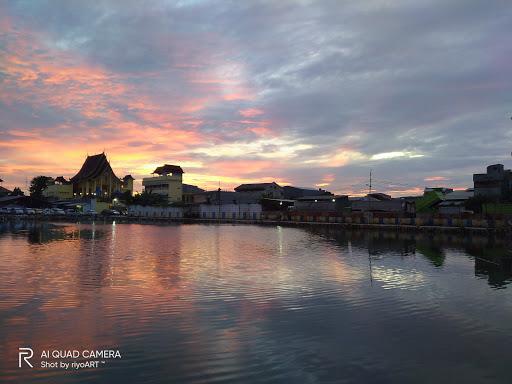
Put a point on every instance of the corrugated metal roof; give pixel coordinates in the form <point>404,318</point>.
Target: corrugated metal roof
<point>458,195</point>
<point>254,187</point>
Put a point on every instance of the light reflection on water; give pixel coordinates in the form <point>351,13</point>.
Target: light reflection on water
<point>217,303</point>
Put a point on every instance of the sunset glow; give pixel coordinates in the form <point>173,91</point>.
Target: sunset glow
<point>242,99</point>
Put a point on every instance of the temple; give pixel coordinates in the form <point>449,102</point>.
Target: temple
<point>96,178</point>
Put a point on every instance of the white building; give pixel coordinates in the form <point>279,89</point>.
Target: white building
<point>155,212</point>
<point>250,211</point>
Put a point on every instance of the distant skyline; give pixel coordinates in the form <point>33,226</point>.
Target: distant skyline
<point>307,93</point>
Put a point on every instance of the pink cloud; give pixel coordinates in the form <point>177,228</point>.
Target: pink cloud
<point>251,112</point>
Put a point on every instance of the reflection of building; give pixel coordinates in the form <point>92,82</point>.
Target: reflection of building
<point>167,183</point>
<point>96,178</point>
<point>127,184</point>
<point>497,182</point>
<point>61,189</point>
<point>261,190</point>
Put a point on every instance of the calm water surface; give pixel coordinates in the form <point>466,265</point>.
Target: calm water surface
<point>223,303</point>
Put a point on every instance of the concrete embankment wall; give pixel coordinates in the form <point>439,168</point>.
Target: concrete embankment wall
<point>388,220</point>
<point>424,222</point>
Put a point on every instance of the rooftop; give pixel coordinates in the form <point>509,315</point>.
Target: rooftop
<point>318,197</point>
<point>458,195</point>
<point>227,197</point>
<point>168,168</point>
<point>93,167</point>
<point>187,188</point>
<point>254,187</point>
<point>4,190</point>
<point>61,180</point>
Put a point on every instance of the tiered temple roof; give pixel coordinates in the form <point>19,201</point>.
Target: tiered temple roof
<point>93,167</point>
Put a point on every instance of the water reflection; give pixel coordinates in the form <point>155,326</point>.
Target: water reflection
<point>40,233</point>
<point>217,303</point>
<point>492,255</point>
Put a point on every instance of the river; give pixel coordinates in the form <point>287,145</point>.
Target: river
<point>223,303</point>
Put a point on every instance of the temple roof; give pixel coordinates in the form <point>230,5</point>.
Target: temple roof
<point>168,168</point>
<point>93,167</point>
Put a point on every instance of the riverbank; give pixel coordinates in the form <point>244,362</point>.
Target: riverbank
<point>340,222</point>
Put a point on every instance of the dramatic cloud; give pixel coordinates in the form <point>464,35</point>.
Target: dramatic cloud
<point>310,93</point>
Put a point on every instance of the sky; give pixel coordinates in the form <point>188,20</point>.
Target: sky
<point>306,93</point>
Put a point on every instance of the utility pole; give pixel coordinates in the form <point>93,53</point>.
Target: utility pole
<point>369,197</point>
<point>219,198</point>
<point>370,185</point>
<point>368,234</point>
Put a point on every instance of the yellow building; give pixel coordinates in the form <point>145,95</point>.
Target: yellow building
<point>61,189</point>
<point>168,182</point>
<point>127,184</point>
<point>96,178</point>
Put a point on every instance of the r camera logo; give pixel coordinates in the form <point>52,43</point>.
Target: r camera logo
<point>25,354</point>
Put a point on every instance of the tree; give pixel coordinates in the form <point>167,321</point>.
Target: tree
<point>38,184</point>
<point>146,198</point>
<point>17,192</point>
<point>126,197</point>
<point>476,203</point>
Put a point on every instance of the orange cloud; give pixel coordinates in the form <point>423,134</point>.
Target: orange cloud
<point>326,180</point>
<point>101,110</point>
